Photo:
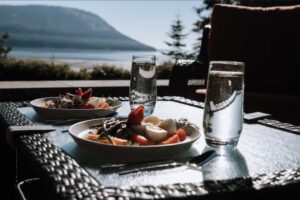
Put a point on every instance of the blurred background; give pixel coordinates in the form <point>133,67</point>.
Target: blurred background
<point>79,40</point>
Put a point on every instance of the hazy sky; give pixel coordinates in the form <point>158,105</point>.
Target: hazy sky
<point>147,21</point>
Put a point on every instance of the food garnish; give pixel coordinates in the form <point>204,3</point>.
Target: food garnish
<point>136,116</point>
<point>80,100</point>
<point>137,130</point>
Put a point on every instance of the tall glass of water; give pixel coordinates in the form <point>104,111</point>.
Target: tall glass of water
<point>143,89</point>
<point>223,111</point>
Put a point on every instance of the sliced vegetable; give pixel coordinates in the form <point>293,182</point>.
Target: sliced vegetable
<point>87,94</point>
<point>79,92</point>
<point>104,105</point>
<point>136,116</point>
<point>171,140</point>
<point>86,106</point>
<point>181,134</point>
<point>104,140</point>
<point>89,106</point>
<point>118,141</point>
<point>141,140</point>
<point>82,105</point>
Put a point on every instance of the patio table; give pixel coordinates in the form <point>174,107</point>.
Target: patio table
<point>266,162</point>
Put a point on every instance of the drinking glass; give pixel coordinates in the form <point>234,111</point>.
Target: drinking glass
<point>143,89</point>
<point>223,110</point>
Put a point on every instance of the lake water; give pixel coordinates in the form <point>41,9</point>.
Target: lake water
<point>86,59</point>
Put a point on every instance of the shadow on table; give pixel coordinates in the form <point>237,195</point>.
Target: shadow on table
<point>228,171</point>
<point>228,164</point>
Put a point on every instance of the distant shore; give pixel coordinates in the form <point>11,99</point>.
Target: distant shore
<point>85,59</point>
<point>77,64</point>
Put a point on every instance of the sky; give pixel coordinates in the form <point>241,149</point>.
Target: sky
<point>147,21</point>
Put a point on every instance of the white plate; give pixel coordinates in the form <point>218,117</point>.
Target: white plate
<point>56,113</point>
<point>79,130</point>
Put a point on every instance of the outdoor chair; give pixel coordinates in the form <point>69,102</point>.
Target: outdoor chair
<point>267,40</point>
<point>189,75</point>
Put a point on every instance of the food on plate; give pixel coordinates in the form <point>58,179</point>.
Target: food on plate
<point>169,125</point>
<point>139,130</point>
<point>80,100</point>
<point>156,133</point>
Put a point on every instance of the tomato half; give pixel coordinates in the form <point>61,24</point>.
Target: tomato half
<point>171,140</point>
<point>136,116</point>
<point>141,140</point>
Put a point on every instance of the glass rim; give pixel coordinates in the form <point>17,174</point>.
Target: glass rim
<point>143,56</point>
<point>185,60</point>
<point>226,62</point>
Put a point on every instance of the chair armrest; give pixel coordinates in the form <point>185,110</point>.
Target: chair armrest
<point>203,54</point>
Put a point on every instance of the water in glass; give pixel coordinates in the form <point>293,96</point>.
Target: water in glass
<point>223,113</point>
<point>143,89</point>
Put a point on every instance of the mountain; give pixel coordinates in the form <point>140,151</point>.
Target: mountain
<point>59,27</point>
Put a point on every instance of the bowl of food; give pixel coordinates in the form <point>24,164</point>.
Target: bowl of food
<point>80,105</point>
<point>136,136</point>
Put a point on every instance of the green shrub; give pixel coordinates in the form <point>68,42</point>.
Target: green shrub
<point>17,69</point>
<point>84,74</point>
<point>107,72</point>
<point>26,69</point>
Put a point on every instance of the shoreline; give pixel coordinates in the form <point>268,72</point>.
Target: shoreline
<point>86,59</point>
<point>77,64</point>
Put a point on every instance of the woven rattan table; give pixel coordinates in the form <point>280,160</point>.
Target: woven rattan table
<point>266,163</point>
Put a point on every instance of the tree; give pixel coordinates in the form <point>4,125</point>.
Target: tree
<point>203,13</point>
<point>203,19</point>
<point>176,34</point>
<point>4,49</point>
